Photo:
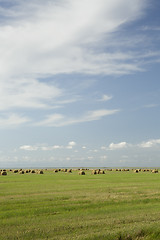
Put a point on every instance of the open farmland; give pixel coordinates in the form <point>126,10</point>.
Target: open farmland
<point>63,205</point>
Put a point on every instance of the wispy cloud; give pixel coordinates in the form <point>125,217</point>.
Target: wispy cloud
<point>55,37</point>
<point>105,98</point>
<point>151,105</point>
<point>58,120</point>
<point>12,120</point>
<point>39,40</point>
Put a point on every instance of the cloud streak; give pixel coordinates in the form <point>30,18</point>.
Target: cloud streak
<point>59,120</point>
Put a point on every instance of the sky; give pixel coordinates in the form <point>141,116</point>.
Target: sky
<point>79,83</point>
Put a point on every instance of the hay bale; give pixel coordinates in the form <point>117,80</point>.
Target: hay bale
<point>155,171</point>
<point>69,170</point>
<point>33,171</point>
<point>136,170</point>
<point>40,172</point>
<point>94,172</point>
<point>21,172</point>
<point>81,172</point>
<point>26,171</point>
<point>15,171</point>
<point>4,173</point>
<point>56,170</point>
<point>102,172</point>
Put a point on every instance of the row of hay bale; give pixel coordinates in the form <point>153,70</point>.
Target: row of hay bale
<point>97,171</point>
<point>122,170</point>
<point>93,172</point>
<point>63,170</point>
<point>118,169</point>
<point>145,170</point>
<point>23,171</point>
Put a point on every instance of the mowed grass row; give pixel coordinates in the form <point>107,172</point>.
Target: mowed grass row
<point>116,205</point>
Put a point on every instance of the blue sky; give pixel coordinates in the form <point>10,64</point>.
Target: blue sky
<point>79,83</point>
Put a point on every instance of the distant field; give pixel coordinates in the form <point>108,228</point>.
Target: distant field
<point>115,205</point>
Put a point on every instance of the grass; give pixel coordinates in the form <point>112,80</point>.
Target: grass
<point>117,205</point>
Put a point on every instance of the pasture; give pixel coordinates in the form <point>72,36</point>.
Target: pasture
<point>65,206</point>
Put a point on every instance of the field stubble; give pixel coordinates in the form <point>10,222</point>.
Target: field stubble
<point>66,206</point>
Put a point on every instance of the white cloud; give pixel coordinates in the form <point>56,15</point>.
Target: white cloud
<point>72,143</point>
<point>115,146</point>
<point>105,98</point>
<point>12,120</point>
<point>40,39</point>
<point>27,93</point>
<point>57,147</point>
<point>84,147</point>
<point>55,36</point>
<point>29,148</point>
<point>150,143</point>
<point>58,120</point>
<point>151,105</point>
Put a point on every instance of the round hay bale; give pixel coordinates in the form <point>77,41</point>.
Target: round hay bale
<point>21,172</point>
<point>26,171</point>
<point>136,170</point>
<point>81,172</point>
<point>69,170</point>
<point>41,172</point>
<point>15,171</point>
<point>94,172</point>
<point>33,171</point>
<point>155,171</point>
<point>102,172</point>
<point>4,173</point>
<point>56,170</point>
<point>98,171</point>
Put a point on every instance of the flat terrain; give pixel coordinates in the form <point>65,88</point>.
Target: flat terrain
<point>115,205</point>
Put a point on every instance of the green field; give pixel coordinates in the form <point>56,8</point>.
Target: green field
<point>116,205</point>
